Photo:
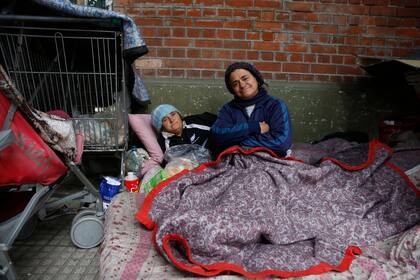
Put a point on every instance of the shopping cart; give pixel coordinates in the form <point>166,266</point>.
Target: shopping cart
<point>77,72</point>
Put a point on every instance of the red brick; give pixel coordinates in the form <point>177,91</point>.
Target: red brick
<point>238,55</point>
<point>408,12</point>
<point>224,12</point>
<point>193,33</point>
<point>268,66</point>
<point>207,64</point>
<point>297,17</point>
<point>193,53</point>
<point>177,73</point>
<point>282,16</point>
<point>243,24</point>
<point>236,44</point>
<point>165,52</point>
<point>325,29</point>
<point>185,2</point>
<point>252,55</point>
<point>239,13</point>
<point>208,23</point>
<point>322,68</point>
<point>408,32</point>
<point>311,17</point>
<point>296,68</point>
<point>208,44</point>
<point>337,59</point>
<point>349,70</point>
<point>276,4</point>
<point>225,54</point>
<point>224,34</point>
<point>382,11</point>
<point>253,35</point>
<point>299,6</point>
<point>149,32</point>
<point>242,3</point>
<point>178,32</point>
<point>270,25</point>
<point>300,27</point>
<point>208,74</point>
<point>154,42</point>
<point>295,37</point>
<point>309,58</point>
<point>164,12</point>
<point>280,57</point>
<point>381,31</point>
<point>193,74</point>
<point>268,15</point>
<point>177,63</point>
<point>178,12</point>
<point>323,49</point>
<point>324,58</point>
<point>148,21</point>
<point>280,77</point>
<point>296,58</point>
<point>180,22</point>
<point>350,50</point>
<point>267,56</point>
<point>178,53</point>
<point>170,42</point>
<point>194,12</point>
<point>209,12</point>
<point>207,53</point>
<point>352,30</point>
<point>268,36</point>
<point>209,33</point>
<point>209,2</point>
<point>266,46</point>
<point>295,48</point>
<point>238,34</point>
<point>254,14</point>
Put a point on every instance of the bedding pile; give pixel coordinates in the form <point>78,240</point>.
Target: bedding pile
<point>257,215</point>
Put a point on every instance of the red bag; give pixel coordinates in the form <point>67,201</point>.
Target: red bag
<point>28,159</point>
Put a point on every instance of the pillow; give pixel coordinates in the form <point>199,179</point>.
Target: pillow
<point>142,127</point>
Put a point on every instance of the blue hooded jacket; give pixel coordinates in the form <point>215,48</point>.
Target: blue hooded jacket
<point>234,127</point>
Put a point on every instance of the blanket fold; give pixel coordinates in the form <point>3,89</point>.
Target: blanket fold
<point>258,215</point>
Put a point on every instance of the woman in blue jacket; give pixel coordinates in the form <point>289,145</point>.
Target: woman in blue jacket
<point>253,118</point>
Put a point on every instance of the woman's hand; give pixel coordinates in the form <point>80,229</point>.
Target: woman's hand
<point>264,127</point>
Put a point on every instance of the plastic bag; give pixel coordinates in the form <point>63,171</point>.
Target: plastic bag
<point>134,159</point>
<point>152,178</point>
<point>196,154</point>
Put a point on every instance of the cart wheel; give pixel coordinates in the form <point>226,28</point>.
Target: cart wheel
<point>87,232</point>
<point>83,213</point>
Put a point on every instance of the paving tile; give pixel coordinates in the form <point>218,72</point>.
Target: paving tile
<point>50,254</point>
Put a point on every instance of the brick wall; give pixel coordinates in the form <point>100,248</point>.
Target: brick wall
<point>287,40</point>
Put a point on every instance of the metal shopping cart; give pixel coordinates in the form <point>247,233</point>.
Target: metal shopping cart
<point>75,71</point>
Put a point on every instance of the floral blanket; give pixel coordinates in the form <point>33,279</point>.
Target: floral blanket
<point>257,215</point>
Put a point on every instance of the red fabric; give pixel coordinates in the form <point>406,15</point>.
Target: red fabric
<point>28,159</point>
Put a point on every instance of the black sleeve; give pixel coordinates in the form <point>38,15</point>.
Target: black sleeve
<point>205,118</point>
<point>161,142</point>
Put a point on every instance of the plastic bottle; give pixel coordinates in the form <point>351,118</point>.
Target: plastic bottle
<point>131,182</point>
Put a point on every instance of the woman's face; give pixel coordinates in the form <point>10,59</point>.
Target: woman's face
<point>244,84</point>
<point>172,123</point>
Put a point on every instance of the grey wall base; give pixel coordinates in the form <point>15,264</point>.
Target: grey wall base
<point>316,109</point>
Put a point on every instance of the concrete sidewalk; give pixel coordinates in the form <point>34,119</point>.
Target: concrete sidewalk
<point>50,254</point>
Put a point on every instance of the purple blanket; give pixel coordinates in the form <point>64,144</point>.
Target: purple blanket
<point>257,215</point>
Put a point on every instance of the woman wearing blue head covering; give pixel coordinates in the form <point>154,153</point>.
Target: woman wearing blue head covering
<point>177,130</point>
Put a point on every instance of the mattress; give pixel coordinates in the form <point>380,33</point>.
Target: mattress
<point>127,251</point>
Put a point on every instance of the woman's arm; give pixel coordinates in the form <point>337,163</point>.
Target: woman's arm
<point>279,136</point>
<point>227,131</point>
